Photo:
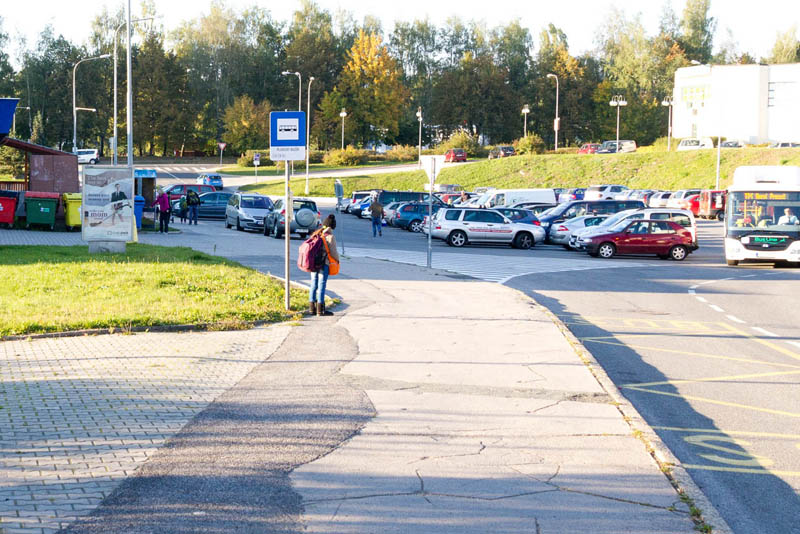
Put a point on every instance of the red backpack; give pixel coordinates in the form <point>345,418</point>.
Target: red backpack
<point>312,254</point>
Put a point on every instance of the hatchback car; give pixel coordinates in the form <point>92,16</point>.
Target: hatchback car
<point>695,143</point>
<point>461,226</point>
<point>455,154</point>
<point>503,151</point>
<point>678,197</point>
<point>589,148</point>
<point>603,192</point>
<point>666,239</point>
<point>659,199</point>
<point>412,214</point>
<point>88,155</point>
<point>247,211</point>
<point>212,179</point>
<point>683,217</point>
<point>305,218</point>
<point>176,191</point>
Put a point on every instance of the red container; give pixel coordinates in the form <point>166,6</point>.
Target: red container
<point>8,208</point>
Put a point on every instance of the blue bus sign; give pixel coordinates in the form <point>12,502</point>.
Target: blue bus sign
<point>287,136</point>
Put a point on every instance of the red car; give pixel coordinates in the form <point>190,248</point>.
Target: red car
<point>665,239</point>
<point>692,204</point>
<point>176,191</point>
<point>455,154</point>
<point>588,148</point>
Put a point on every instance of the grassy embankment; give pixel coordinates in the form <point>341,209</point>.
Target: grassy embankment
<point>54,289</point>
<point>664,170</point>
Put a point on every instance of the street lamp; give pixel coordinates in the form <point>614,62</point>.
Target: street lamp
<point>299,88</point>
<point>343,114</point>
<point>525,111</point>
<point>308,125</point>
<point>556,121</point>
<point>14,118</point>
<point>667,102</point>
<point>74,109</point>
<point>617,101</point>
<point>419,118</point>
<point>116,38</point>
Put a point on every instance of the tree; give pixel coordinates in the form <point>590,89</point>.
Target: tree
<point>6,71</point>
<point>786,48</point>
<point>697,30</point>
<point>247,124</point>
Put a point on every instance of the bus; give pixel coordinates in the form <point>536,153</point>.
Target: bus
<point>762,215</point>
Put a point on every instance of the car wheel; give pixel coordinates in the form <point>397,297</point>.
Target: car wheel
<point>415,226</point>
<point>275,232</point>
<point>732,263</point>
<point>678,253</point>
<point>720,215</point>
<point>457,239</point>
<point>227,224</point>
<point>523,241</point>
<point>266,228</point>
<point>239,224</point>
<point>606,250</point>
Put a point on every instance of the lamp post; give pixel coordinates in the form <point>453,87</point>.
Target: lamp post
<point>343,114</point>
<point>74,109</point>
<point>419,118</point>
<point>667,102</point>
<point>14,118</point>
<point>556,121</point>
<point>617,101</point>
<point>525,111</point>
<point>116,38</point>
<point>308,125</point>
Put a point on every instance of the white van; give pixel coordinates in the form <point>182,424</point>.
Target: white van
<point>496,198</point>
<point>695,143</point>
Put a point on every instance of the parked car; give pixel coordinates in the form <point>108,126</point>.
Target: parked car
<point>355,199</point>
<point>576,193</point>
<point>676,200</point>
<point>603,192</point>
<point>502,151</point>
<point>784,144</point>
<point>691,203</point>
<point>712,204</point>
<point>666,239</point>
<point>210,179</point>
<point>247,211</point>
<point>561,233</point>
<point>519,216</point>
<point>642,194</point>
<point>610,147</point>
<point>684,218</point>
<point>410,215</point>
<point>659,199</point>
<point>509,197</point>
<point>462,226</point>
<point>589,148</point>
<point>389,211</point>
<point>305,218</point>
<point>455,154</point>
<point>576,208</point>
<point>212,205</point>
<point>88,155</point>
<point>732,144</point>
<point>176,191</point>
<point>536,207</point>
<point>695,143</point>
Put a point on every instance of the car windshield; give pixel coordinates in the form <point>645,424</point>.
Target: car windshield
<point>261,203</point>
<point>620,226</point>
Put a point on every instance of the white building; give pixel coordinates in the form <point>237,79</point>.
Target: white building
<point>751,103</point>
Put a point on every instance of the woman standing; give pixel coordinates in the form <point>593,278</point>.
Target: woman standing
<point>162,201</point>
<point>319,279</point>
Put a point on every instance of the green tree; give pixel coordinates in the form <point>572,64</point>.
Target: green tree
<point>786,48</point>
<point>327,126</point>
<point>697,30</point>
<point>6,71</point>
<point>247,124</point>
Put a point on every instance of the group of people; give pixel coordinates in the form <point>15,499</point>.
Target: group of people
<point>189,208</point>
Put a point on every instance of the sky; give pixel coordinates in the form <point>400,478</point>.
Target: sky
<point>753,26</point>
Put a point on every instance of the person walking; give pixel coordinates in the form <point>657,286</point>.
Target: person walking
<point>193,203</point>
<point>319,279</point>
<point>377,214</point>
<point>162,201</point>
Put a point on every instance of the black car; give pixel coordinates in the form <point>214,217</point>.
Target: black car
<point>576,208</point>
<point>519,215</point>
<point>212,206</point>
<point>503,151</point>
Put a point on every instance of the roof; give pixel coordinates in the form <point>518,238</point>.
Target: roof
<point>33,148</point>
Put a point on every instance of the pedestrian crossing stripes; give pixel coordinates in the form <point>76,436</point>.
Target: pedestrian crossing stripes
<point>490,268</point>
<point>178,168</point>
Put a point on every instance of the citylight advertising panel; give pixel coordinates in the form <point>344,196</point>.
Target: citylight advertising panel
<point>107,204</point>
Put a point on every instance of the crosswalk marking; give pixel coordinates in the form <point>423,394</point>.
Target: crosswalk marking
<point>498,269</point>
<point>177,168</point>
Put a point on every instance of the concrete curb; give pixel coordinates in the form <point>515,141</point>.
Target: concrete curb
<point>669,464</point>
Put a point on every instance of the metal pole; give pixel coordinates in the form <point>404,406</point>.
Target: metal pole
<point>556,122</point>
<point>286,233</point>
<point>525,128</point>
<point>719,150</point>
<point>616,151</point>
<point>74,111</point>
<point>419,118</point>
<point>430,210</point>
<point>308,125</point>
<point>129,91</point>
<point>342,132</point>
<point>669,129</point>
<point>114,148</point>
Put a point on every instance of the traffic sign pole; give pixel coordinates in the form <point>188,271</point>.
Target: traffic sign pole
<point>432,165</point>
<point>287,227</point>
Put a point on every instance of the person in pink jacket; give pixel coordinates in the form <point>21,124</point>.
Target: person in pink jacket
<point>162,201</point>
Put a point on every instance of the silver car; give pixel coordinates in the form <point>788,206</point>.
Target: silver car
<point>247,211</point>
<point>305,218</point>
<point>561,233</point>
<point>461,226</point>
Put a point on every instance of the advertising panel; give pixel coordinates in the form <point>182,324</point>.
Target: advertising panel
<point>107,204</point>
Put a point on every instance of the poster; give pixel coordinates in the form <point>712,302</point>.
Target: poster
<point>107,204</point>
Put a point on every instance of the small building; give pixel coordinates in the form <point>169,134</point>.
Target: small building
<point>751,103</point>
<point>46,169</point>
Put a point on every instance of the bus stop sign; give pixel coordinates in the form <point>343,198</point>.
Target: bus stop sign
<point>287,136</point>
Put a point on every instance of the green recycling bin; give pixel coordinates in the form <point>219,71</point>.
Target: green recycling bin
<point>40,208</point>
<point>72,210</point>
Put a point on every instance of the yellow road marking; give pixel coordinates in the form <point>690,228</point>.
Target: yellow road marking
<point>764,342</point>
<point>743,470</point>
<point>712,379</point>
<point>729,432</point>
<point>747,459</point>
<point>713,401</point>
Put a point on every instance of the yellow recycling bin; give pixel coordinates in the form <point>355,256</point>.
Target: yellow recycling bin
<point>72,210</point>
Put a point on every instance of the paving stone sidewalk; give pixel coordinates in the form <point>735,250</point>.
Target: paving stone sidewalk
<point>78,415</point>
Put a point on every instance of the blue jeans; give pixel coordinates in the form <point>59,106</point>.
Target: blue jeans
<point>376,226</point>
<point>319,280</point>
<point>193,209</point>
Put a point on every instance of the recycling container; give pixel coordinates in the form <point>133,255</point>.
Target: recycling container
<point>8,207</point>
<point>72,210</point>
<point>138,210</point>
<point>40,208</point>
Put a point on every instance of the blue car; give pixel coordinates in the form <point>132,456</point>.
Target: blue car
<point>411,216</point>
<point>210,179</point>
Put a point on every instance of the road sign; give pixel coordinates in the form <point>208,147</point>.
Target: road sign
<point>222,145</point>
<point>256,159</point>
<point>287,136</point>
<point>432,165</point>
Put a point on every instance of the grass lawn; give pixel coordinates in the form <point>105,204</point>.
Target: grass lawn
<point>645,169</point>
<point>300,168</point>
<point>54,289</point>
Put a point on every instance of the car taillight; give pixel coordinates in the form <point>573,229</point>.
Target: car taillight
<point>562,228</point>
<point>573,197</point>
<point>319,215</point>
<point>537,223</point>
<point>283,212</point>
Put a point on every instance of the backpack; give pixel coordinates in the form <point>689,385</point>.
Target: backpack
<point>312,254</point>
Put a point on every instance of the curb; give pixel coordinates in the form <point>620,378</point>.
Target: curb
<point>668,462</point>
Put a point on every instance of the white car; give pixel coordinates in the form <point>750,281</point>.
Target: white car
<point>680,195</point>
<point>461,226</point>
<point>88,155</point>
<point>682,217</point>
<point>659,199</point>
<point>695,143</point>
<point>561,233</point>
<point>603,192</point>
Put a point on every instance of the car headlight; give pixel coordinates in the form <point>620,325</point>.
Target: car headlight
<point>585,240</point>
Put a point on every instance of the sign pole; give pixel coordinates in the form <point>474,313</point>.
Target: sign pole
<point>286,234</point>
<point>430,211</point>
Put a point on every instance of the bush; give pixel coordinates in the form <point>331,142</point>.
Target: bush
<point>349,157</point>
<point>246,159</point>
<point>402,153</point>
<point>531,144</point>
<point>462,139</point>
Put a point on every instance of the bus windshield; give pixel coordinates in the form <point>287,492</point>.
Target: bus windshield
<point>773,212</point>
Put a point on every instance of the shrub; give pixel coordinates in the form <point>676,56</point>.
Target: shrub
<point>462,139</point>
<point>349,157</point>
<point>402,153</point>
<point>246,159</point>
<point>531,144</point>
